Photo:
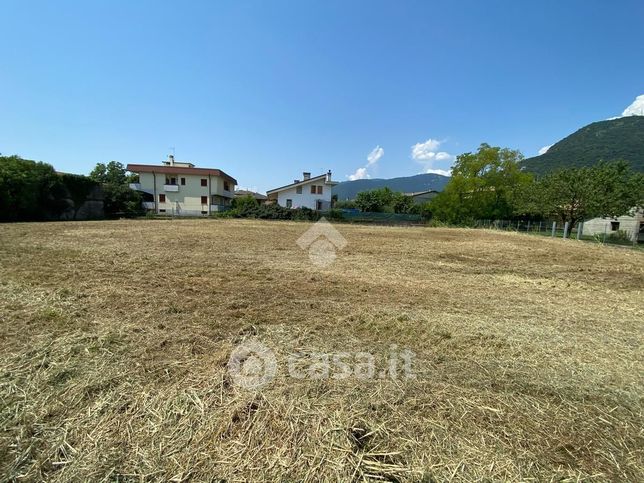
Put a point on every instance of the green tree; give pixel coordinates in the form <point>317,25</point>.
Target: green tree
<point>374,200</point>
<point>29,190</point>
<point>401,203</point>
<point>575,194</point>
<point>119,198</point>
<point>243,203</point>
<point>485,184</point>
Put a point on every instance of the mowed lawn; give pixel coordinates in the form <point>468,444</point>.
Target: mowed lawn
<point>115,338</point>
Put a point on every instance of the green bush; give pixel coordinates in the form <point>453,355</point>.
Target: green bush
<point>345,205</point>
<point>620,236</point>
<point>31,190</point>
<point>269,212</point>
<point>334,214</point>
<point>244,202</point>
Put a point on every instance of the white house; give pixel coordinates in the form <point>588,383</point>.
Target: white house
<point>178,188</point>
<point>314,193</point>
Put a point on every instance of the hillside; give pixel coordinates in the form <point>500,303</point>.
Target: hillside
<point>420,182</point>
<point>621,138</point>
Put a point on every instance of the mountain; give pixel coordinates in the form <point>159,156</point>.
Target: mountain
<point>621,138</point>
<point>348,190</point>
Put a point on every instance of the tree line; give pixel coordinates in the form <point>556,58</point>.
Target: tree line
<point>34,191</point>
<point>491,184</point>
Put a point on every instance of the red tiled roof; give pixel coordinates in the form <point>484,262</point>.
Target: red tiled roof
<point>150,168</point>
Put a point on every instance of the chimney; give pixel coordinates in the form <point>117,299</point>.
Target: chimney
<point>171,159</point>
<point>328,176</point>
<point>296,181</point>
<point>306,175</point>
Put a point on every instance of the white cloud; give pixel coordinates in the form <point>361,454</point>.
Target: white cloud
<point>372,158</point>
<point>375,155</point>
<point>544,149</point>
<point>361,173</point>
<point>443,156</point>
<point>636,108</point>
<point>442,172</point>
<point>426,150</point>
<point>427,154</point>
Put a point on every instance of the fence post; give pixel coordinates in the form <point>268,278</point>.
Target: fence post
<point>580,230</point>
<point>554,228</point>
<point>518,221</point>
<point>528,229</point>
<point>540,226</point>
<point>565,235</point>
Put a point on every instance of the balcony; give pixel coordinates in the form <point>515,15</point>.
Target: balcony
<point>171,188</point>
<point>138,187</point>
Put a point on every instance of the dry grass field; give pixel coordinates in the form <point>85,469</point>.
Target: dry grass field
<point>115,339</point>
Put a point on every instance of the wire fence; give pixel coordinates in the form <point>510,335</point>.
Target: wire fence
<point>556,229</point>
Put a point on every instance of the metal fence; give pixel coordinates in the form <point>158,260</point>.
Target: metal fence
<point>559,230</point>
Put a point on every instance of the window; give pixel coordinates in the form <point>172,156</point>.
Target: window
<point>204,212</point>
<point>614,225</point>
<point>204,182</point>
<point>313,191</point>
<point>289,203</point>
<point>183,181</point>
<point>161,198</point>
<point>319,190</point>
<point>298,190</point>
<point>204,200</point>
<point>161,211</point>
<point>226,186</point>
<point>170,181</point>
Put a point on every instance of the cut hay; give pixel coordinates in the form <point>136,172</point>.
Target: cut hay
<point>115,339</point>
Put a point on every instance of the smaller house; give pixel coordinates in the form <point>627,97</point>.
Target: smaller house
<point>633,225</point>
<point>309,192</point>
<point>260,198</point>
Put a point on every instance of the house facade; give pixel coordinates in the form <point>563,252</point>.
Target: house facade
<point>309,192</point>
<point>178,188</point>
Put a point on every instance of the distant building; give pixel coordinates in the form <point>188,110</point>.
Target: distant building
<point>178,188</point>
<point>421,197</point>
<point>260,198</point>
<point>314,193</point>
<point>632,225</point>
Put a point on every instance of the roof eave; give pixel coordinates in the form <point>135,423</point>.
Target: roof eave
<point>300,183</point>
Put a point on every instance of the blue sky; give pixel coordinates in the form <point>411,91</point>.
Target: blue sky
<point>267,89</point>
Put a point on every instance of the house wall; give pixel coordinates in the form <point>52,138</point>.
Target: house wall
<point>306,199</point>
<point>629,224</point>
<point>187,199</point>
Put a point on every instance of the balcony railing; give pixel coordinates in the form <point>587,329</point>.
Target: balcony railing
<point>171,187</point>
